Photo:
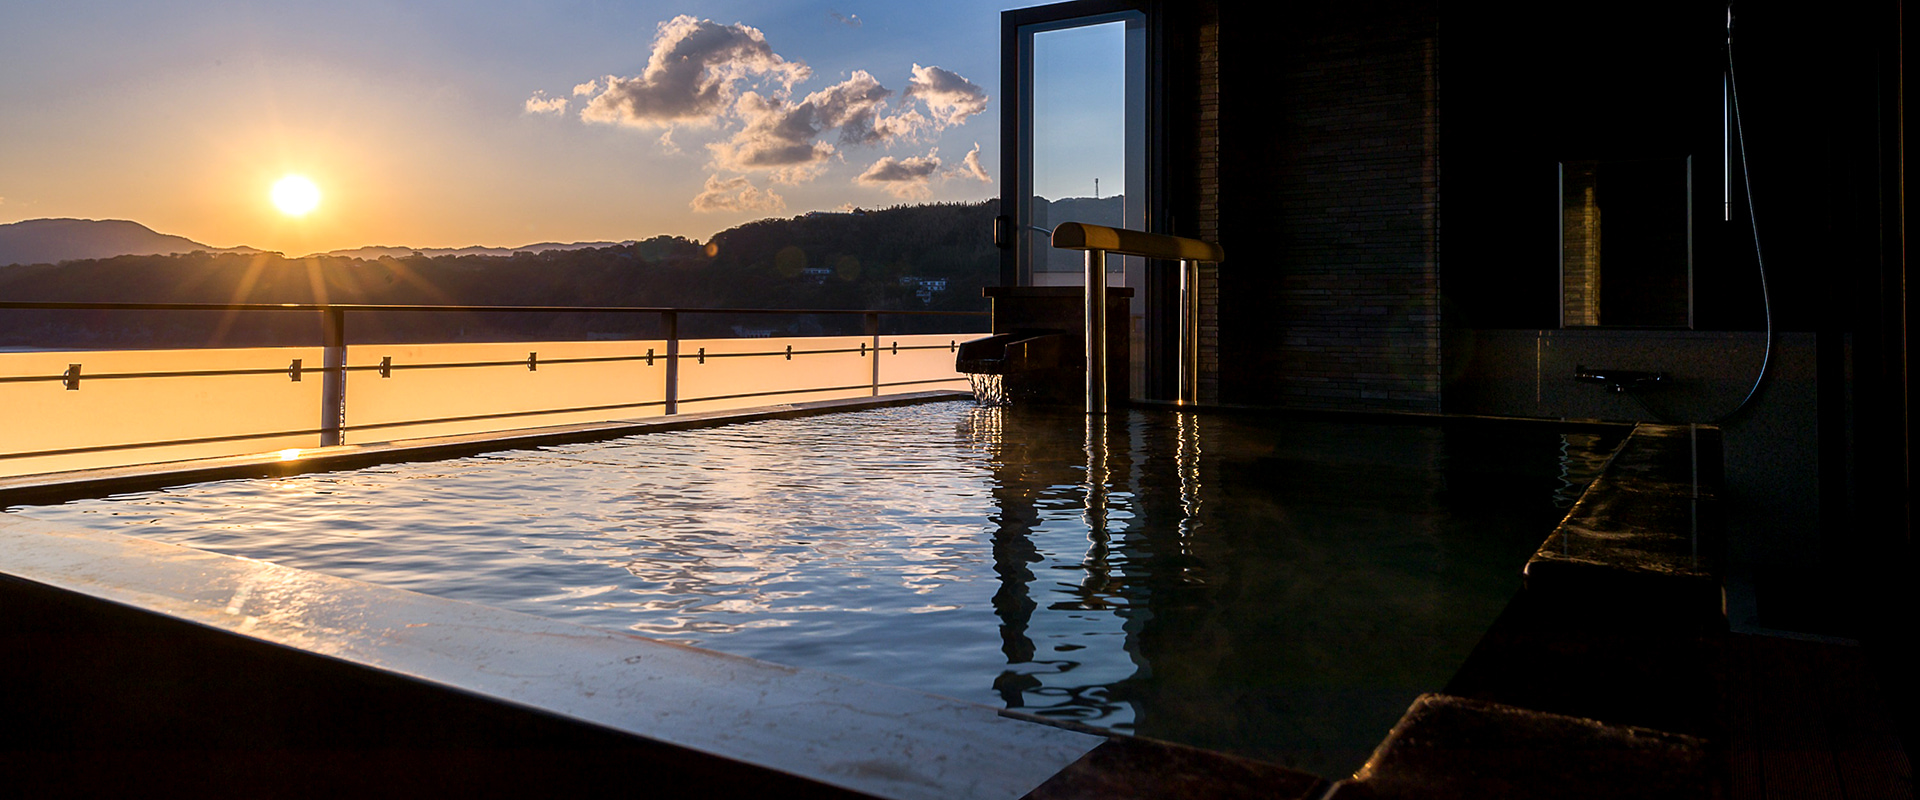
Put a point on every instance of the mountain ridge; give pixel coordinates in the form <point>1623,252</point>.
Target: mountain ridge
<point>55,239</point>
<point>51,240</point>
<point>375,251</point>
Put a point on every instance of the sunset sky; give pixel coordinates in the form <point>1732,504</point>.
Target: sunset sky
<point>443,124</point>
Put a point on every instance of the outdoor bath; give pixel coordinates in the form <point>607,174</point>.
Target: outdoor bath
<point>1278,587</point>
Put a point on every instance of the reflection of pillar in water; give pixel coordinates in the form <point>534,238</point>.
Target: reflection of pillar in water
<point>1013,550</point>
<point>1187,461</point>
<point>1096,491</point>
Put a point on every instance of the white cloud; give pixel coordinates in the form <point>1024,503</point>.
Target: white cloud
<point>857,107</point>
<point>693,76</point>
<point>702,74</point>
<point>736,194</point>
<point>784,137</point>
<point>971,168</point>
<point>905,178</point>
<point>950,97</point>
<point>778,138</point>
<point>540,103</point>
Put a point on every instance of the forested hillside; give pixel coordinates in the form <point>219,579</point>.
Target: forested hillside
<point>859,260</point>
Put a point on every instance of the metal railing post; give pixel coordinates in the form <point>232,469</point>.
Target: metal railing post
<point>333,380</point>
<point>1189,332</point>
<point>670,325</point>
<point>1096,331</point>
<point>873,331</point>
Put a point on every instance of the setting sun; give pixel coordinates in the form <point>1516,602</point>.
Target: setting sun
<point>294,195</point>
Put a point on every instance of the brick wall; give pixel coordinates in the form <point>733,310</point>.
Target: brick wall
<point>1330,210</point>
<point>1205,159</point>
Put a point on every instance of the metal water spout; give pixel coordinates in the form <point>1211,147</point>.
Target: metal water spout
<point>1098,241</point>
<point>1019,365</point>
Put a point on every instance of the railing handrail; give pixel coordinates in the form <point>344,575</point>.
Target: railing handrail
<point>1087,236</point>
<point>334,423</point>
<point>334,366</point>
<point>313,307</point>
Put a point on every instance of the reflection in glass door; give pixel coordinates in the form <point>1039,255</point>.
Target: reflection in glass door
<point>1079,145</point>
<point>1081,139</point>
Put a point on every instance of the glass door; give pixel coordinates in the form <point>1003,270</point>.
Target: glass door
<point>1077,78</point>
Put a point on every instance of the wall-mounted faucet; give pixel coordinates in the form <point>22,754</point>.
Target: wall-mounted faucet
<point>1620,380</point>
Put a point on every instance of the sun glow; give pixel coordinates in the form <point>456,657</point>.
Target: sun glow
<point>294,195</point>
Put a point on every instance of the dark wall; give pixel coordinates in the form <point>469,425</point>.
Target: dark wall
<point>1819,95</point>
<point>1386,163</point>
<point>1330,177</point>
<point>1632,80</point>
<point>1643,80</point>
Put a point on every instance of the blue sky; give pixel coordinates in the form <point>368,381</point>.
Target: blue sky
<point>446,124</point>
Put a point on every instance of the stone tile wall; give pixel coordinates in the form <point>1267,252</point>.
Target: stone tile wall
<point>1330,154</point>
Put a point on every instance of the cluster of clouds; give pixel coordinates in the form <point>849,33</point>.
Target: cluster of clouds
<point>703,75</point>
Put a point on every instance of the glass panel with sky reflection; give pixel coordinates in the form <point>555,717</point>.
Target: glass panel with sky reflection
<point>1079,141</point>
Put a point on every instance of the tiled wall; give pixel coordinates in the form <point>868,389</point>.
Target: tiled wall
<point>1205,159</point>
<point>1331,288</point>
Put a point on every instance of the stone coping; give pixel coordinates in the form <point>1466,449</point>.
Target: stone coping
<point>870,738</point>
<point>1650,519</point>
<point>1451,747</point>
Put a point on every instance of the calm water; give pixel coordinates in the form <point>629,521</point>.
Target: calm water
<point>1276,588</point>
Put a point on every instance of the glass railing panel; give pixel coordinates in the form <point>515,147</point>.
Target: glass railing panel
<point>447,389</point>
<point>738,373</point>
<point>51,428</point>
<point>921,362</point>
<point>139,407</point>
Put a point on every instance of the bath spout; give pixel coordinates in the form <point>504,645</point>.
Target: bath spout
<point>1020,351</point>
<point>1033,364</point>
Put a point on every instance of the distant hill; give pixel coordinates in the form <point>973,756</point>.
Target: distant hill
<point>1110,211</point>
<point>50,241</point>
<point>372,252</point>
<point>906,258</point>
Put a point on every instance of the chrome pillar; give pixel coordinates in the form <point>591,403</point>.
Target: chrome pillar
<point>333,377</point>
<point>1096,318</point>
<point>670,327</point>
<point>1189,332</point>
<point>873,332</point>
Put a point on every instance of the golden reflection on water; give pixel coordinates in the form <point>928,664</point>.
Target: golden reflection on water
<point>1187,460</point>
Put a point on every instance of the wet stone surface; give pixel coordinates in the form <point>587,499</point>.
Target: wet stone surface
<point>1451,747</point>
<point>1651,520</point>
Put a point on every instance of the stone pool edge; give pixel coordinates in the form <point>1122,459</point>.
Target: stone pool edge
<point>828,729</point>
